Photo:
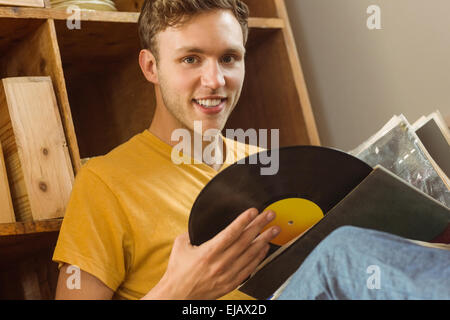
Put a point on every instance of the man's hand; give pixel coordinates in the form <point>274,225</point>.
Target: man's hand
<point>220,265</point>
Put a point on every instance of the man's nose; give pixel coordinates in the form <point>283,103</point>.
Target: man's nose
<point>212,76</point>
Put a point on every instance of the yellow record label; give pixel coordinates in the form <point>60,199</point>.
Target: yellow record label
<point>294,216</point>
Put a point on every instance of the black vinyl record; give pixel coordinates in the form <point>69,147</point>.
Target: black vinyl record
<point>318,174</point>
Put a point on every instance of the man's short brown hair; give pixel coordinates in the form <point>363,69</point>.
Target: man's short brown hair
<point>157,15</point>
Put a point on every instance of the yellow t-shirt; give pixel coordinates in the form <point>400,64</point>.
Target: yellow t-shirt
<point>126,209</point>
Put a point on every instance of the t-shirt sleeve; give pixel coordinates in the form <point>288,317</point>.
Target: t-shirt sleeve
<point>95,234</point>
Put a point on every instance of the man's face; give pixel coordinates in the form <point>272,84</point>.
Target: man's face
<point>201,69</point>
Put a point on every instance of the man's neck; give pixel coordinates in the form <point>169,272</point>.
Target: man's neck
<point>165,135</point>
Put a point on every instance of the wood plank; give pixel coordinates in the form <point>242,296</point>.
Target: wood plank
<point>262,8</point>
<point>17,190</point>
<point>6,207</point>
<point>258,8</point>
<point>29,227</point>
<point>19,193</point>
<point>12,32</point>
<point>25,3</point>
<point>128,11</point>
<point>42,148</point>
<point>129,5</point>
<point>57,14</point>
<point>55,69</point>
<point>112,16</point>
<point>300,82</point>
<point>266,23</point>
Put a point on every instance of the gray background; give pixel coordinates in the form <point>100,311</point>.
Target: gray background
<point>359,78</point>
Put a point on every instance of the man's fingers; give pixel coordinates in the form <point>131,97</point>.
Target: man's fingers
<point>231,233</point>
<point>268,235</point>
<point>257,225</point>
<point>246,267</point>
<point>255,253</point>
<point>249,235</point>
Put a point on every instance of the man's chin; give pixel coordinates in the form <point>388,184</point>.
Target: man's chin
<point>206,125</point>
<point>207,128</point>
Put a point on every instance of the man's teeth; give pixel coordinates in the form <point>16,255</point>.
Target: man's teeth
<point>209,102</point>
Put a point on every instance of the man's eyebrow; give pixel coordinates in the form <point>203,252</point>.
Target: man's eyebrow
<point>199,50</point>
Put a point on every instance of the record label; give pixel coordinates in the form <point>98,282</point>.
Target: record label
<point>294,216</point>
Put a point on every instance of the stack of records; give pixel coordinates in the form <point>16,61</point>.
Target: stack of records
<point>100,5</point>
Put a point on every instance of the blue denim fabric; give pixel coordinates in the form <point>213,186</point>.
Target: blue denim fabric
<point>340,268</point>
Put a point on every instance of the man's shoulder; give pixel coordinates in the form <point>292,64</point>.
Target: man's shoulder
<point>130,159</point>
<point>113,160</point>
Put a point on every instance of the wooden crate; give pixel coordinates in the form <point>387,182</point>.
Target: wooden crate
<point>35,149</point>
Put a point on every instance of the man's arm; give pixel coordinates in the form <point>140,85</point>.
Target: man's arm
<point>91,288</point>
<point>220,265</point>
<point>209,271</point>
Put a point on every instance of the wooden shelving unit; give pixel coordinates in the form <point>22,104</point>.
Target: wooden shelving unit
<point>104,100</point>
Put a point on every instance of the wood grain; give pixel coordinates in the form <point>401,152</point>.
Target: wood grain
<point>129,5</point>
<point>110,16</point>
<point>57,14</point>
<point>6,207</point>
<point>40,167</point>
<point>25,3</point>
<point>29,227</point>
<point>8,39</point>
<point>258,8</point>
<point>262,8</point>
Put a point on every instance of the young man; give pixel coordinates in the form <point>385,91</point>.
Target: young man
<point>126,222</point>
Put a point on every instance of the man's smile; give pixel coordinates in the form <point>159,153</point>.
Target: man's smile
<point>210,105</point>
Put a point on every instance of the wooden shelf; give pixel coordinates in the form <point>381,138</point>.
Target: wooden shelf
<point>24,228</point>
<point>26,267</point>
<point>108,16</point>
<point>48,13</point>
<point>26,240</point>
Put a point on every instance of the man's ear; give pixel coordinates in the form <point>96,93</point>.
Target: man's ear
<point>147,61</point>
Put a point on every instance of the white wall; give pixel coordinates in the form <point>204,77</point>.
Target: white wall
<point>359,78</point>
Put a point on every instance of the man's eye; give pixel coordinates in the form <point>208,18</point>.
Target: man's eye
<point>228,59</point>
<point>190,60</point>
